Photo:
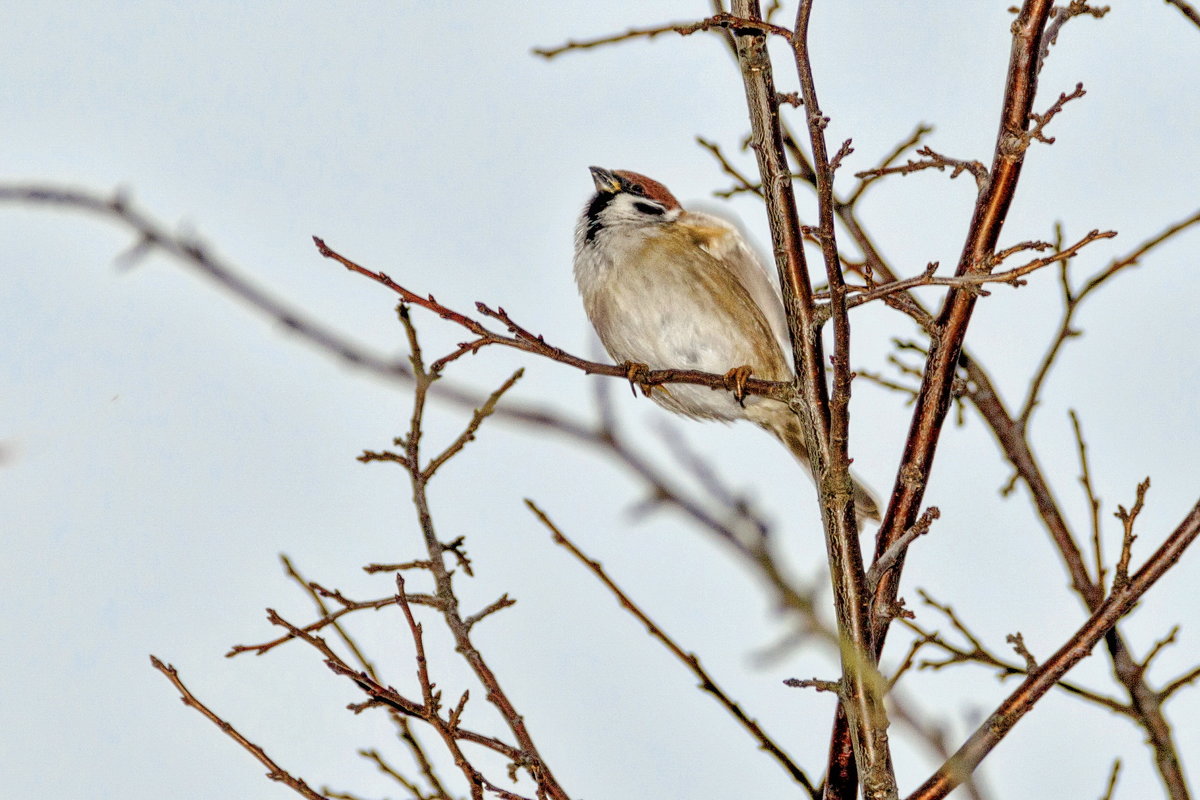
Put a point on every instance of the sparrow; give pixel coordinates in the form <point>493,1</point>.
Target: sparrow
<point>667,288</point>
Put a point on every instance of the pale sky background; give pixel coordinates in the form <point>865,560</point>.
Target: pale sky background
<point>163,444</point>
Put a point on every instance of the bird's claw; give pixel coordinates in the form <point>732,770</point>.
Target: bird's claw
<point>735,381</point>
<point>637,374</point>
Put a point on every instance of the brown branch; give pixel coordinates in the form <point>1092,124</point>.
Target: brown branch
<point>1145,701</point>
<point>862,685</point>
<point>1121,575</point>
<point>842,781</point>
<point>978,653</point>
<point>468,434</point>
<point>274,771</point>
<point>1061,15</point>
<point>689,660</point>
<point>1085,478</point>
<point>1112,780</point>
<point>933,401</point>
<point>972,280</point>
<point>741,182</point>
<point>1186,9</point>
<point>1159,646</point>
<point>824,421</point>
<point>932,160</point>
<point>432,699</point>
<point>1073,298</point>
<point>1183,680</point>
<point>385,695</point>
<point>867,177</point>
<point>632,33</point>
<point>327,619</point>
<point>1118,603</point>
<point>387,769</point>
<point>1035,133</point>
<point>527,755</point>
<point>153,235</point>
<point>894,553</point>
<point>532,343</point>
<point>949,331</point>
<point>403,727</point>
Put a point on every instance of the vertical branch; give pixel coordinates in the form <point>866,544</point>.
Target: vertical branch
<point>448,602</point>
<point>995,197</point>
<point>946,341</point>
<point>861,688</point>
<point>766,139</point>
<point>864,701</point>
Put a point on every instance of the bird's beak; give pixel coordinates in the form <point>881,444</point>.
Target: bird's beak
<point>605,181</point>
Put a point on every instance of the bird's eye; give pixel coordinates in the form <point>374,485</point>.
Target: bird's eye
<point>638,189</point>
<point>649,208</point>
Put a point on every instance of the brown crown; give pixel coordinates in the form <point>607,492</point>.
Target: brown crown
<point>652,189</point>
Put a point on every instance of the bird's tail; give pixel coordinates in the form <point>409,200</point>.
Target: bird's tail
<point>780,421</point>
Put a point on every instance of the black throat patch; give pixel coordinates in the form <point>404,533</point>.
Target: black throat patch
<point>597,206</point>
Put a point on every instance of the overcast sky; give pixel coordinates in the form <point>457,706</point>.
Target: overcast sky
<point>163,443</point>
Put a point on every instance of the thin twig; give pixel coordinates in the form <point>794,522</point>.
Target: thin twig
<point>274,771</point>
<point>689,660</point>
<point>931,160</point>
<point>1119,603</point>
<point>1121,575</point>
<point>1085,478</point>
<point>1187,9</point>
<point>867,177</point>
<point>1112,780</point>
<point>885,562</point>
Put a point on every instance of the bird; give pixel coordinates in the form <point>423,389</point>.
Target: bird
<point>667,288</point>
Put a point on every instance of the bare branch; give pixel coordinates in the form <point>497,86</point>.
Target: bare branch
<point>632,33</point>
<point>274,771</point>
<point>867,177</point>
<point>1119,602</point>
<point>1187,9</point>
<point>900,546</point>
<point>932,160</point>
<point>689,660</point>
<point>1042,120</point>
<point>1112,780</point>
<point>1085,478</point>
<point>1018,643</point>
<point>1121,576</point>
<point>1183,680</point>
<point>533,343</point>
<point>1061,15</point>
<point>971,281</point>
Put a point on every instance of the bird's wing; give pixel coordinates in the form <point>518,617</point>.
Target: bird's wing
<point>724,240</point>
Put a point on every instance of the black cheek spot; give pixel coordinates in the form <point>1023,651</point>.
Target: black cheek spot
<point>649,208</point>
<point>598,204</point>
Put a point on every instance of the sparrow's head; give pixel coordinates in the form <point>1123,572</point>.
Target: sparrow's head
<point>626,200</point>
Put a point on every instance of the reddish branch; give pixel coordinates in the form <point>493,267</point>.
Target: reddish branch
<point>1118,603</point>
<point>523,339</point>
<point>824,414</point>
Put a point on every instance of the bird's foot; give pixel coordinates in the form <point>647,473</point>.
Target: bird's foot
<point>637,373</point>
<point>735,381</point>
